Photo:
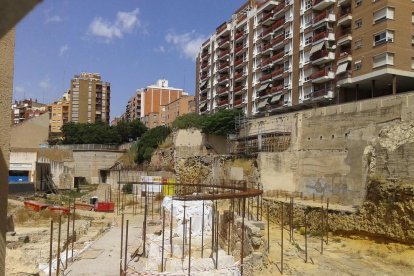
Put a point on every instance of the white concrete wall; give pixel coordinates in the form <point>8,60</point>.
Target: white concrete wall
<point>22,161</point>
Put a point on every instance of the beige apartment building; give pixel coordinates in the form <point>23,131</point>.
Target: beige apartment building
<point>89,99</point>
<point>276,56</point>
<point>133,108</point>
<point>59,113</point>
<point>179,107</point>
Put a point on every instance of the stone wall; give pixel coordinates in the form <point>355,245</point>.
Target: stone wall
<point>328,154</point>
<point>386,214</point>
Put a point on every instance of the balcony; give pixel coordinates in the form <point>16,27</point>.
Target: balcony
<point>325,35</point>
<point>324,17</point>
<point>223,41</point>
<point>322,76</point>
<point>239,75</point>
<point>322,4</point>
<point>238,102</point>
<point>238,49</point>
<point>241,18</point>
<point>223,66</point>
<point>265,62</point>
<point>223,54</point>
<point>223,79</point>
<point>238,88</point>
<point>239,35</point>
<point>205,55</point>
<point>204,65</point>
<point>223,27</point>
<point>279,23</point>
<point>277,89</point>
<point>318,94</point>
<point>344,37</point>
<point>266,77</point>
<point>277,73</point>
<point>266,47</point>
<point>267,18</point>
<point>202,99</point>
<point>204,76</point>
<point>222,102</point>
<point>344,55</point>
<point>238,62</point>
<point>322,56</point>
<point>278,56</point>
<point>222,90</point>
<point>278,39</point>
<point>345,16</point>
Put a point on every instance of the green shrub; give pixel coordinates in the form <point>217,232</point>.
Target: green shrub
<point>190,120</point>
<point>149,142</point>
<point>221,123</point>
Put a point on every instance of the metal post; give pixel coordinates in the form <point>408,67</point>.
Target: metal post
<point>73,225</point>
<point>126,247</point>
<point>268,228</point>
<point>217,237</point>
<point>51,248</point>
<point>122,241</point>
<point>189,250</point>
<point>327,220</point>
<point>163,235</point>
<point>184,223</point>
<point>242,239</point>
<point>58,249</point>
<point>306,238</point>
<point>322,227</point>
<point>281,241</point>
<point>67,238</point>
<point>229,235</point>
<point>171,226</point>
<point>145,221</point>
<point>152,202</point>
<point>202,232</point>
<point>212,229</point>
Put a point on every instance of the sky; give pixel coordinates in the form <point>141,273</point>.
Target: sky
<point>131,43</point>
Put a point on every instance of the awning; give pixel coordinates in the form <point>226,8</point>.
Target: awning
<point>262,104</point>
<point>275,98</point>
<point>264,86</point>
<point>341,68</point>
<point>203,83</point>
<point>317,47</point>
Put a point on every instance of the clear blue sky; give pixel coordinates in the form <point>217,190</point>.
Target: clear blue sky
<point>132,43</point>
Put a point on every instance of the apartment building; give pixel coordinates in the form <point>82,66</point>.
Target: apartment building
<point>179,107</point>
<point>89,99</point>
<point>153,98</point>
<point>26,109</point>
<point>59,113</point>
<point>276,56</point>
<point>133,108</point>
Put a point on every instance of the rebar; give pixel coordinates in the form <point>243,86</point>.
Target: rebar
<point>51,248</point>
<point>58,249</point>
<point>163,235</point>
<point>126,247</point>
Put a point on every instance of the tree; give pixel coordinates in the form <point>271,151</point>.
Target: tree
<point>87,133</point>
<point>190,120</point>
<point>221,123</point>
<point>129,131</point>
<point>149,142</point>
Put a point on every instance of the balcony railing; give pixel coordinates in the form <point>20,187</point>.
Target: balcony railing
<point>320,73</point>
<point>222,78</point>
<point>278,23</point>
<point>241,18</point>
<point>319,36</point>
<point>277,72</point>
<point>223,40</point>
<point>223,65</point>
<point>266,46</point>
<point>266,77</point>
<point>266,62</point>
<point>276,89</point>
<point>279,7</point>
<point>222,90</point>
<point>344,12</point>
<point>223,53</point>
<point>318,93</point>
<point>238,101</point>
<point>238,88</point>
<point>238,75</point>
<point>238,62</point>
<point>238,49</point>
<point>267,16</point>
<point>221,28</point>
<point>319,54</point>
<point>223,102</point>
<point>278,55</point>
<point>238,35</point>
<point>344,32</point>
<point>278,39</point>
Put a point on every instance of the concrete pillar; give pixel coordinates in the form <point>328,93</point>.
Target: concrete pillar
<point>356,92</point>
<point>11,12</point>
<point>394,84</point>
<point>6,91</point>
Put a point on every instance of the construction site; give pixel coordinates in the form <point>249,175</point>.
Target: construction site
<point>274,198</point>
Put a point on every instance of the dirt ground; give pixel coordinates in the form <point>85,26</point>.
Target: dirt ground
<point>341,256</point>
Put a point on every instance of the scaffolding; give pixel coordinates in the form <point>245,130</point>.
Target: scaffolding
<point>248,141</point>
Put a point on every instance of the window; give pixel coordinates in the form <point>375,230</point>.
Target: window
<point>383,14</point>
<point>358,65</point>
<point>358,3</point>
<point>358,44</point>
<point>308,20</point>
<point>308,4</point>
<point>358,23</point>
<point>308,40</point>
<point>383,59</point>
<point>383,37</point>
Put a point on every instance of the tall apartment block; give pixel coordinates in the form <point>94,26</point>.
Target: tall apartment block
<point>59,113</point>
<point>133,108</point>
<point>275,56</point>
<point>89,99</point>
<point>154,97</point>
